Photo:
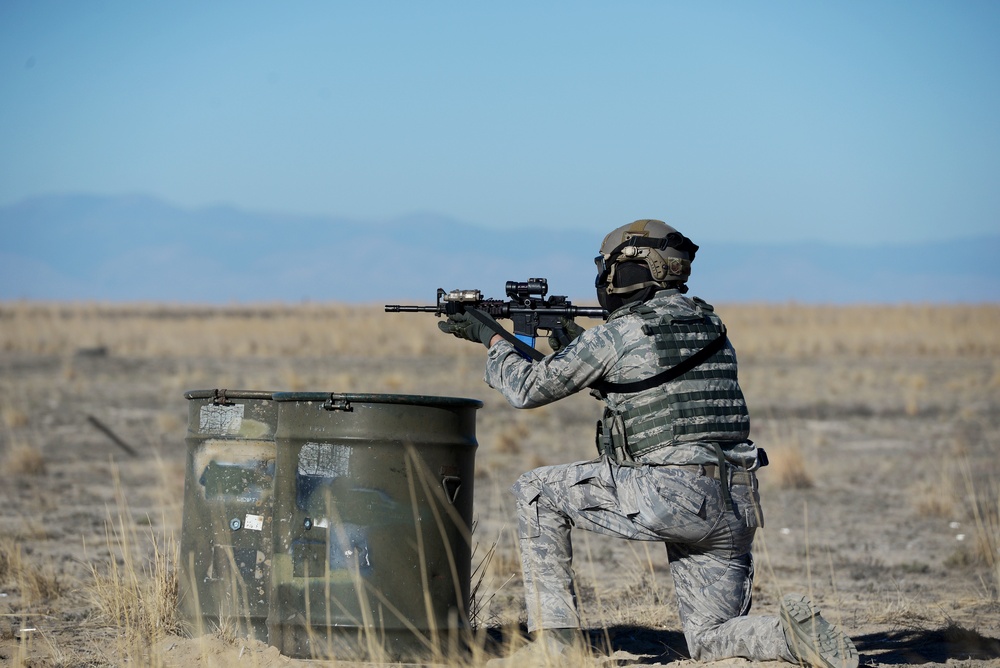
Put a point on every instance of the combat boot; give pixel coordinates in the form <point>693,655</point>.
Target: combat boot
<point>812,640</point>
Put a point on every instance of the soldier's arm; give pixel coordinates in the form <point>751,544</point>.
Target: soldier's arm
<point>526,384</point>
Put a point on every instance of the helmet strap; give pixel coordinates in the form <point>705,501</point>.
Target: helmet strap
<point>612,290</point>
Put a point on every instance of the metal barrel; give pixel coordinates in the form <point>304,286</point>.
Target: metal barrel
<point>373,515</point>
<point>226,533</point>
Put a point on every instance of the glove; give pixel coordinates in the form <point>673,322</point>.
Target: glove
<point>465,326</point>
<point>572,329</point>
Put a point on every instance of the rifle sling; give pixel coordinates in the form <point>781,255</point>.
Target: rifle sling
<point>518,344</point>
<point>666,376</point>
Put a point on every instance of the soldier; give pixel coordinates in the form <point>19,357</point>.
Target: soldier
<point>676,464</point>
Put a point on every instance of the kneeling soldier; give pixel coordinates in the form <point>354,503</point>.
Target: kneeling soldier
<point>676,463</point>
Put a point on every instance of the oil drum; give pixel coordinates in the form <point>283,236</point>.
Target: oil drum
<point>373,514</point>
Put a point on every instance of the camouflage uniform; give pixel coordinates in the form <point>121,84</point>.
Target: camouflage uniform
<point>662,486</point>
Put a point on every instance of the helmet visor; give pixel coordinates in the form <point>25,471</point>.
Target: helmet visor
<point>603,268</point>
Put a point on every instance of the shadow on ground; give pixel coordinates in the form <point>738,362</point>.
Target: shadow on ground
<point>648,646</point>
<point>645,645</point>
<point>916,646</point>
<point>910,646</point>
<point>903,647</point>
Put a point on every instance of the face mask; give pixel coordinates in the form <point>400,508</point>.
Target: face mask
<point>626,273</point>
<point>608,302</point>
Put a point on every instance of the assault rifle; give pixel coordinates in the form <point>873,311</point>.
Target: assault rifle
<point>528,307</point>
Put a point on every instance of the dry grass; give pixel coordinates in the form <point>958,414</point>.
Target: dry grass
<point>36,582</point>
<point>511,438</point>
<point>14,417</point>
<point>793,331</point>
<point>797,362</point>
<point>135,593</point>
<point>89,330</point>
<point>788,466</point>
<point>983,504</point>
<point>797,331</point>
<point>937,498</point>
<point>23,459</point>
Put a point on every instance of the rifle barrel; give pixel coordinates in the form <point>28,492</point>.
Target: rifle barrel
<point>590,311</point>
<point>568,311</point>
<point>398,308</point>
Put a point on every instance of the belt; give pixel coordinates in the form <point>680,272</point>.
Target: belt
<point>739,476</point>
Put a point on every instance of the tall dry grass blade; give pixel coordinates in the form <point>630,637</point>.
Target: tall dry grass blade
<point>137,595</point>
<point>985,513</point>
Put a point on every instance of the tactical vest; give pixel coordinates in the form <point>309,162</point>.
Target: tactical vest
<point>704,404</point>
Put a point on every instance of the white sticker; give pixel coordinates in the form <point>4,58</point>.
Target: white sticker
<point>254,522</point>
<point>220,420</point>
<point>325,459</point>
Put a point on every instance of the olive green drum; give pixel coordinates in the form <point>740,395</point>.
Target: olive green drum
<point>226,535</point>
<point>373,512</point>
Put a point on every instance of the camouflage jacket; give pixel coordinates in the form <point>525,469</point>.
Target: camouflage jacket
<point>620,351</point>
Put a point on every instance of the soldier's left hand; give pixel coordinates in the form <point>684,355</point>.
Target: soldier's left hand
<point>465,326</point>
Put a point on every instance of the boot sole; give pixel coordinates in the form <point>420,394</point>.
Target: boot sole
<point>813,640</point>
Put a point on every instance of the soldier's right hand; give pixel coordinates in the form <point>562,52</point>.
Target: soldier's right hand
<point>560,339</point>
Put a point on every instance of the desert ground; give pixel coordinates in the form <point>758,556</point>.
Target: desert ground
<point>882,424</point>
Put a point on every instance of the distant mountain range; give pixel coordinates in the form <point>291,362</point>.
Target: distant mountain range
<point>139,249</point>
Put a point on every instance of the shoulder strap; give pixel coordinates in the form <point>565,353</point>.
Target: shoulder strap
<point>519,345</point>
<point>668,375</point>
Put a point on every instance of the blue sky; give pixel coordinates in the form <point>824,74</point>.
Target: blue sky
<point>861,122</point>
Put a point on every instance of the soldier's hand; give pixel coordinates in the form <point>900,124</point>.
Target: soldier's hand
<point>570,330</point>
<point>465,326</point>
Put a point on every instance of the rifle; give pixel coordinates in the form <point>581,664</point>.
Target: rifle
<point>528,307</point>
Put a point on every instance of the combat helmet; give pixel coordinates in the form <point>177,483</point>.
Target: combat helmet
<point>645,254</point>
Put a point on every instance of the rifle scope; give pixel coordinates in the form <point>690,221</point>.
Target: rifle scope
<point>522,290</point>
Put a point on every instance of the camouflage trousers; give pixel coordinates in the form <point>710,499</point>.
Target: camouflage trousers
<point>708,547</point>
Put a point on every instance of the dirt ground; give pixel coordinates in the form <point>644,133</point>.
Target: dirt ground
<point>880,503</point>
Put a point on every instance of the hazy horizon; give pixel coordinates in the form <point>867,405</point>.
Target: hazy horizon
<point>144,249</point>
